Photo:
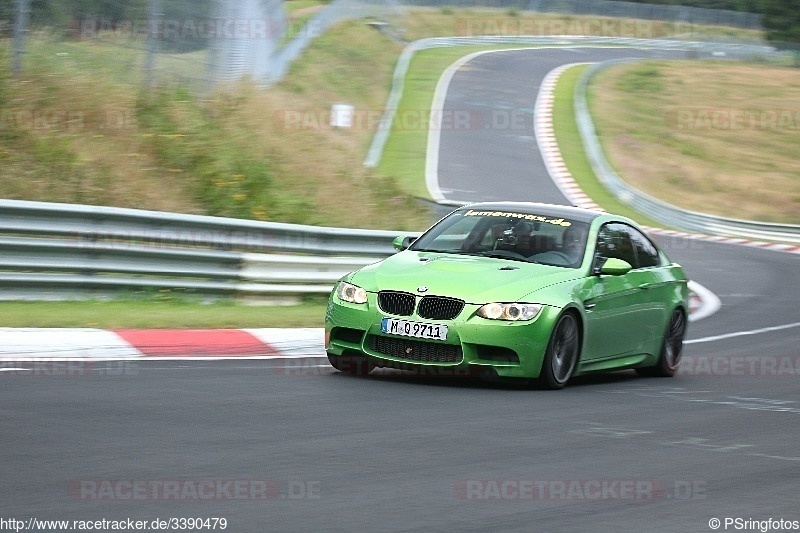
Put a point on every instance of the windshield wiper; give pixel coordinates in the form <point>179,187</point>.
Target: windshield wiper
<point>502,254</point>
<point>436,251</point>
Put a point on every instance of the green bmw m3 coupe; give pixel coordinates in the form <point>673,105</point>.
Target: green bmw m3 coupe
<point>514,290</point>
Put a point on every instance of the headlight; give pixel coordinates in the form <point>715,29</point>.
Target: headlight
<point>515,311</point>
<point>351,293</point>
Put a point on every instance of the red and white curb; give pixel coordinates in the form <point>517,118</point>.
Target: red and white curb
<point>86,344</point>
<point>548,146</point>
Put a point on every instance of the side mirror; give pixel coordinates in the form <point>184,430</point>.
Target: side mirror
<point>401,243</point>
<point>615,267</point>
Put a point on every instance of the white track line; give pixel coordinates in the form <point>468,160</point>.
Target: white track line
<point>742,333</point>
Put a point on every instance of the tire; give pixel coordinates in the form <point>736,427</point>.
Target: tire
<point>671,348</point>
<point>356,365</point>
<point>562,353</point>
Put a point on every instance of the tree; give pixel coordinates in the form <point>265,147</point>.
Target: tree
<point>782,23</point>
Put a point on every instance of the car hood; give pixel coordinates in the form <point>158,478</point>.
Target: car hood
<point>473,279</point>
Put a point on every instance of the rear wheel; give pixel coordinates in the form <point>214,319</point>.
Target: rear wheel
<point>562,353</point>
<point>357,365</point>
<point>671,349</point>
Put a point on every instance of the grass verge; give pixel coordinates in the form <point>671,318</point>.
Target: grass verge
<point>77,127</point>
<point>404,155</point>
<point>572,152</point>
<point>715,137</point>
<point>154,314</point>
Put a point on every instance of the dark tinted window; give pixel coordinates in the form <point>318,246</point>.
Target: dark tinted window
<point>625,242</point>
<point>646,252</point>
<point>614,242</point>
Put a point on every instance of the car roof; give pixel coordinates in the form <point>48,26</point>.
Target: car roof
<point>550,210</point>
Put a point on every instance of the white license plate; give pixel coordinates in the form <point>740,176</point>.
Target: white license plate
<point>414,329</point>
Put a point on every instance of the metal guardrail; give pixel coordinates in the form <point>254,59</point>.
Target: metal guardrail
<point>656,209</point>
<point>55,251</point>
<point>95,225</point>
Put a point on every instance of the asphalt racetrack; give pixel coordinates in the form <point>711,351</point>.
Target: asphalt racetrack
<point>295,446</point>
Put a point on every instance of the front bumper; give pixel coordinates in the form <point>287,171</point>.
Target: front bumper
<point>510,349</point>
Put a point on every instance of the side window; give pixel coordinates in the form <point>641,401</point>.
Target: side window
<point>613,241</point>
<point>646,252</point>
<point>629,244</point>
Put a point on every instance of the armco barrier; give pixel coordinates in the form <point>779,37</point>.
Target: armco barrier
<point>55,251</point>
<point>78,252</point>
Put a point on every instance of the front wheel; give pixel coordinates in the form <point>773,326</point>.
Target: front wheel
<point>562,353</point>
<point>671,349</point>
<point>357,365</point>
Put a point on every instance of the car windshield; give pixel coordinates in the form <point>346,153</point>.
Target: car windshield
<point>528,237</point>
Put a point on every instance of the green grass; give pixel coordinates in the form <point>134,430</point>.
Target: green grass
<point>573,154</point>
<point>174,148</point>
<point>151,313</point>
<point>708,127</point>
<point>228,179</point>
<point>405,152</point>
